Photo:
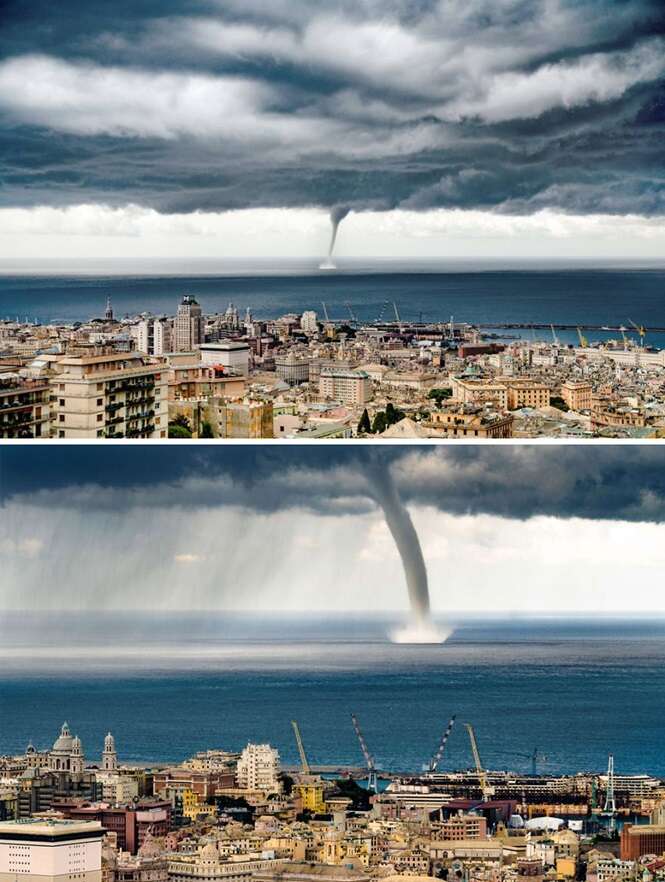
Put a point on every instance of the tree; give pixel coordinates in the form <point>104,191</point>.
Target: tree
<point>392,414</point>
<point>358,795</point>
<point>206,430</point>
<point>380,424</point>
<point>176,430</point>
<point>364,426</point>
<point>439,395</point>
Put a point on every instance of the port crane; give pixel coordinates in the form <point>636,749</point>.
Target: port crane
<point>610,807</point>
<point>436,759</point>
<point>584,343</point>
<point>534,757</point>
<point>485,787</point>
<point>372,781</point>
<point>382,312</point>
<point>641,330</point>
<point>354,320</point>
<point>304,762</point>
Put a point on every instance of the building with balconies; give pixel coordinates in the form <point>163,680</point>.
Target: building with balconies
<point>108,395</point>
<point>24,407</point>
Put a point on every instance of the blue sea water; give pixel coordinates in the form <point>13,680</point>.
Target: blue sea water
<point>486,292</point>
<point>170,685</point>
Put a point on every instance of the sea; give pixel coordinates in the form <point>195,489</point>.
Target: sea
<point>483,291</point>
<point>170,684</point>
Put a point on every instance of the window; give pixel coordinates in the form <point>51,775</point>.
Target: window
<point>100,386</point>
<point>61,417</point>
<point>100,417</point>
<point>100,401</point>
<point>62,402</point>
<point>61,434</point>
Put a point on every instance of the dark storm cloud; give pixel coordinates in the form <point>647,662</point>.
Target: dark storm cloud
<point>601,482</point>
<point>215,104</point>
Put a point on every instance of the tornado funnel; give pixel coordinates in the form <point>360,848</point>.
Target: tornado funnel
<point>383,490</point>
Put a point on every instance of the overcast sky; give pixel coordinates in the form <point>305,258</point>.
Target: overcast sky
<point>524,528</point>
<point>497,127</point>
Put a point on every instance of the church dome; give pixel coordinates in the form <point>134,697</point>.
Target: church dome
<point>64,742</point>
<point>209,852</point>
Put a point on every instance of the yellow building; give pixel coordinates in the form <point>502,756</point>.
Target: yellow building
<point>311,795</point>
<point>191,807</point>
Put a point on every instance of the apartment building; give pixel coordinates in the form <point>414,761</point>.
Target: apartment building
<point>24,407</point>
<point>108,395</point>
<point>258,768</point>
<point>154,336</point>
<point>190,379</point>
<point>350,387</point>
<point>577,394</point>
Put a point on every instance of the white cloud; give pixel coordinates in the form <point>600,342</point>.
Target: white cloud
<point>102,231</point>
<point>593,78</point>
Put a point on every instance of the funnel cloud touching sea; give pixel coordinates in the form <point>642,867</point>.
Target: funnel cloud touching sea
<point>229,527</point>
<point>175,109</point>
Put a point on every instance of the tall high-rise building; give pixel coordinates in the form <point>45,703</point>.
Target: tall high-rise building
<point>188,325</point>
<point>258,768</point>
<point>309,323</point>
<point>154,336</point>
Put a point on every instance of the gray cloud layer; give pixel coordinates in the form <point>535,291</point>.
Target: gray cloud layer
<point>215,104</point>
<point>615,482</point>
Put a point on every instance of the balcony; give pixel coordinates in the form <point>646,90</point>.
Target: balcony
<point>133,399</point>
<point>136,385</point>
<point>114,421</point>
<point>114,406</point>
<point>141,432</point>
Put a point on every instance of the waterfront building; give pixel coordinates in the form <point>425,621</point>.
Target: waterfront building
<point>108,394</point>
<point>353,388</point>
<point>258,768</point>
<point>188,325</point>
<point>50,851</point>
<point>24,407</point>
